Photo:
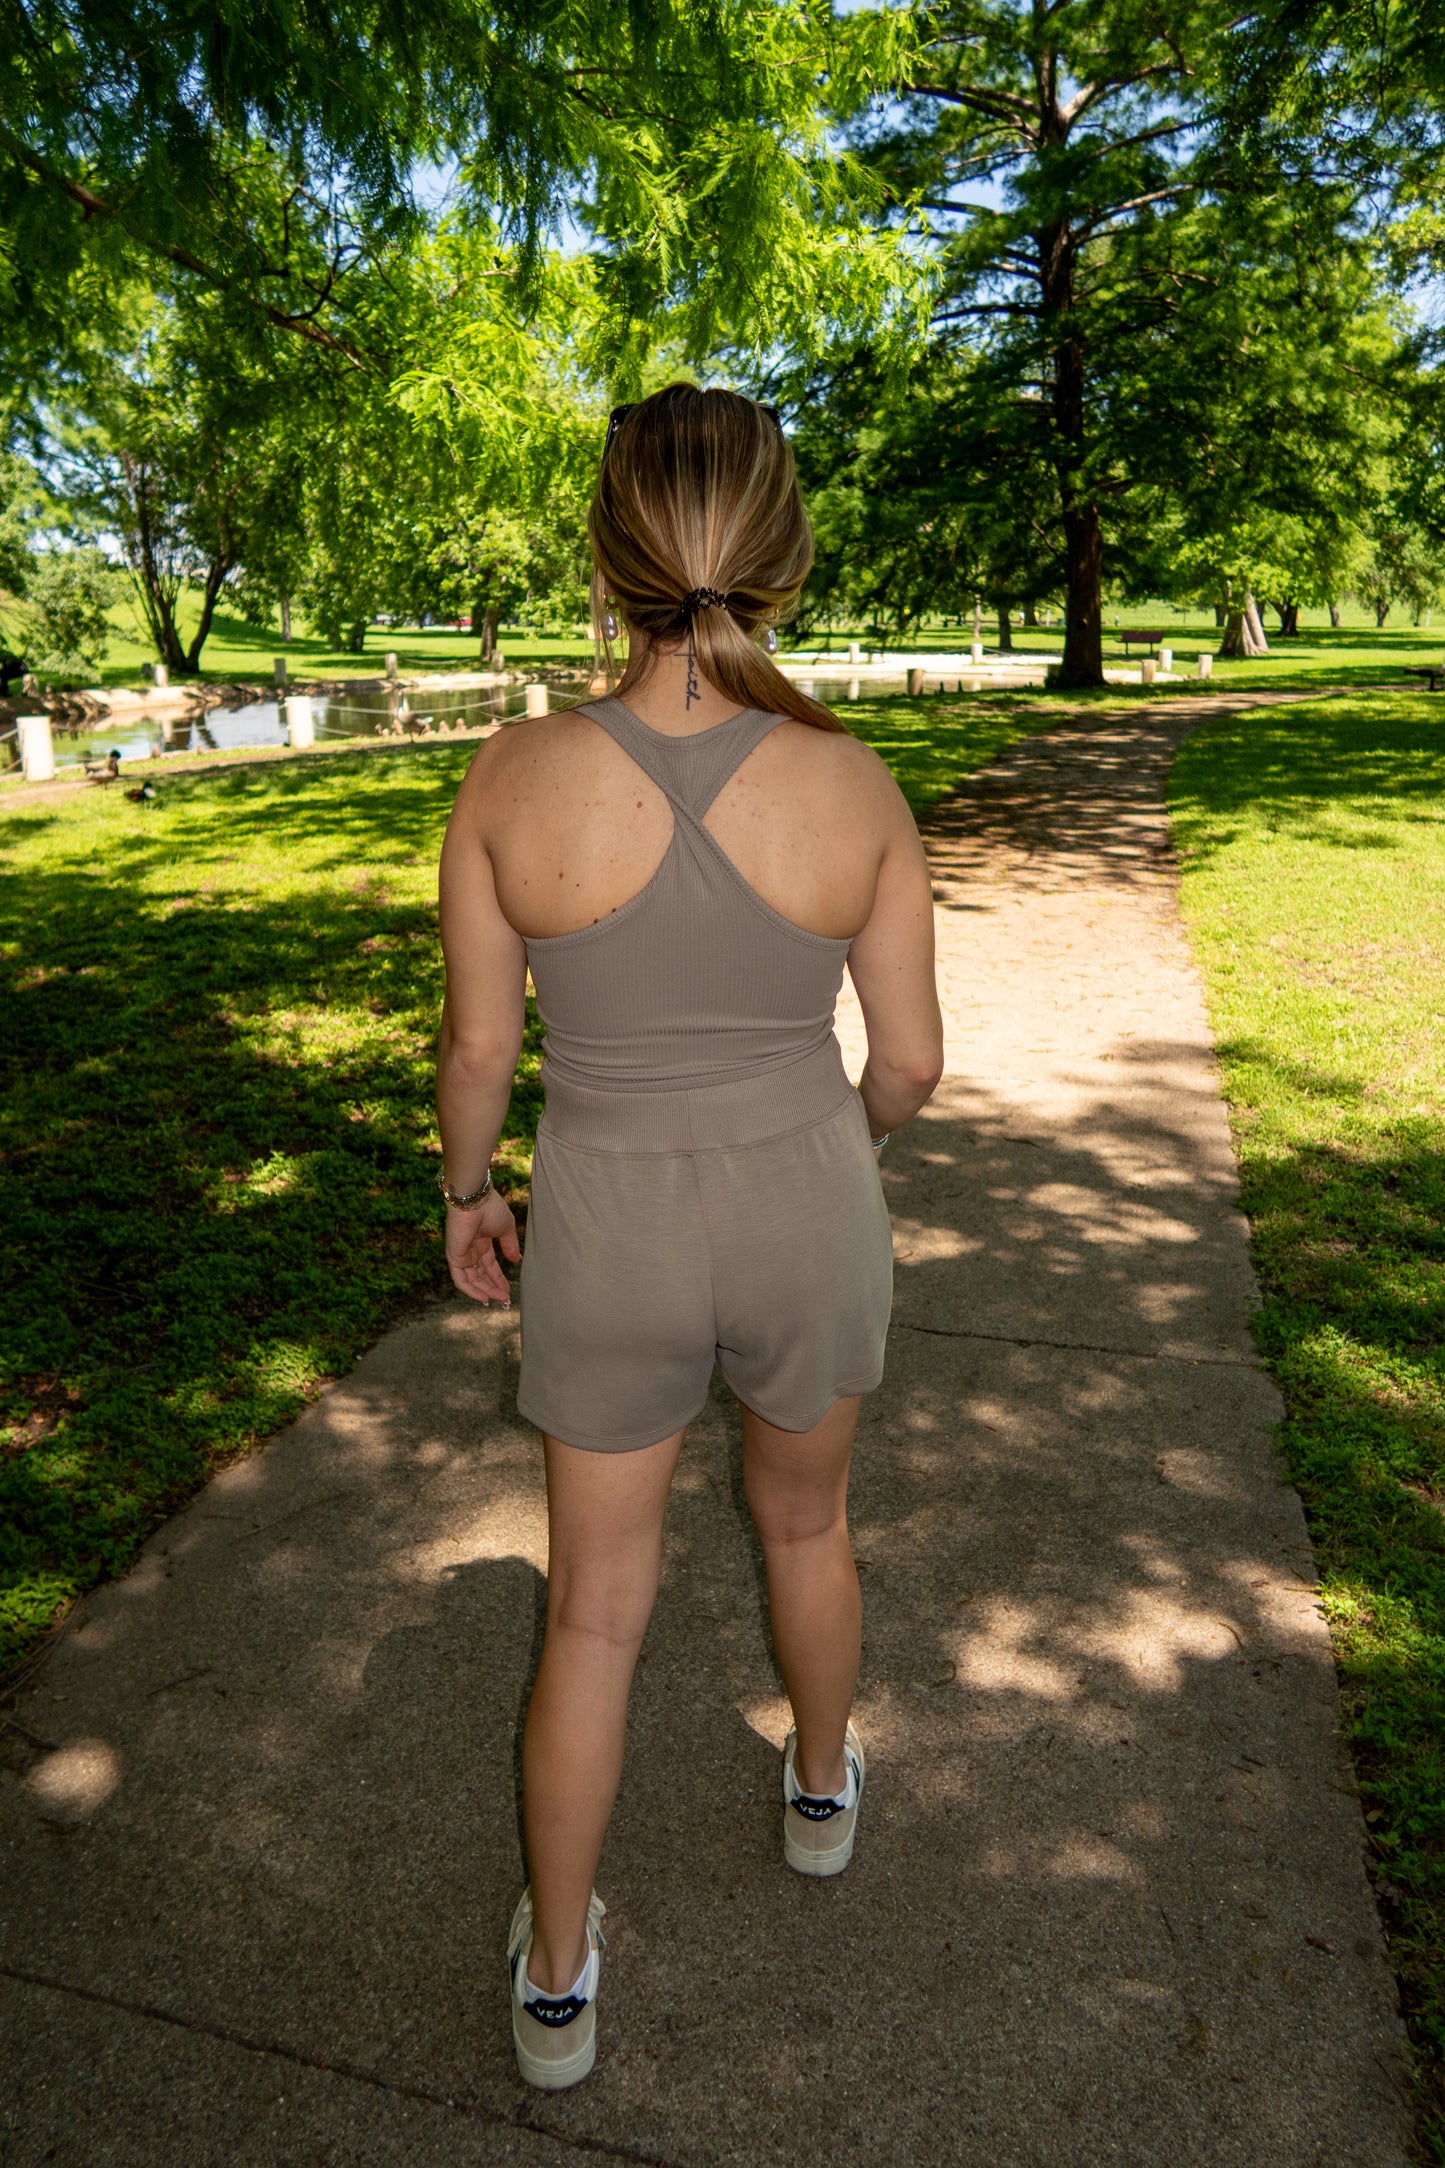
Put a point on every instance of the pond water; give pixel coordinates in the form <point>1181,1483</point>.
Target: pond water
<point>363,714</point>
<point>263,722</point>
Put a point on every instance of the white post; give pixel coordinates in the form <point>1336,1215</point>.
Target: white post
<point>37,748</point>
<point>975,654</point>
<point>391,665</point>
<point>915,682</point>
<point>300,722</point>
<point>160,677</point>
<point>1206,666</point>
<point>855,651</point>
<point>1166,659</point>
<point>278,672</point>
<point>537,703</point>
<point>1146,670</point>
<point>853,688</point>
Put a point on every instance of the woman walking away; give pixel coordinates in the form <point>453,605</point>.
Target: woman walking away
<point>685,868</point>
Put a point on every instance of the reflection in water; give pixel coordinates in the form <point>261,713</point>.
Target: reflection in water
<point>394,710</point>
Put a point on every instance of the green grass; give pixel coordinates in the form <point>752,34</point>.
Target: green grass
<point>239,650</point>
<point>1314,888</point>
<point>217,1146</point>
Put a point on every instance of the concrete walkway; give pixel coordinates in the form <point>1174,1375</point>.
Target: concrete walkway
<point>259,1849</point>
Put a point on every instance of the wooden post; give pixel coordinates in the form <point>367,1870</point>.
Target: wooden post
<point>915,683</point>
<point>1206,666</point>
<point>278,673</point>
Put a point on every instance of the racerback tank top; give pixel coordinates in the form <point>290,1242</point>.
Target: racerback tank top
<point>695,980</point>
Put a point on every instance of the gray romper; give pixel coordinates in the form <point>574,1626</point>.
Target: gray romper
<point>704,1189</point>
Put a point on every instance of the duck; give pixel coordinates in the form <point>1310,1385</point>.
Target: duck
<point>146,794</point>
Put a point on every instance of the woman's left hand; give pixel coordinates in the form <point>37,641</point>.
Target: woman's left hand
<point>473,1263</point>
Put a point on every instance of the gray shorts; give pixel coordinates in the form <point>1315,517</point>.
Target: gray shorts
<point>738,1224</point>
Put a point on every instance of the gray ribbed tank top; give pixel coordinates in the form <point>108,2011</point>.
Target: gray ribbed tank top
<point>695,980</point>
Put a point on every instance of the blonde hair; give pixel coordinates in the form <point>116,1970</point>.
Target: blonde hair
<point>697,490</point>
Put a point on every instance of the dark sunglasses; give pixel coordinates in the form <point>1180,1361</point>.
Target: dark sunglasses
<point>619,415</point>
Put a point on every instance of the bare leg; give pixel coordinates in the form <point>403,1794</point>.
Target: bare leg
<point>604,1514</point>
<point>797,1486</point>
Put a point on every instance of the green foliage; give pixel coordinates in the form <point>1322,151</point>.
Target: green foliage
<point>924,489</point>
<point>1314,847</point>
<point>269,156</point>
<point>70,593</point>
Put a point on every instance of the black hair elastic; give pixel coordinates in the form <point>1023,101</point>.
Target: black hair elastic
<point>704,598</point>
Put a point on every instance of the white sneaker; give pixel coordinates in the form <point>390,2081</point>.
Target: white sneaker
<point>555,2035</point>
<point>818,1833</point>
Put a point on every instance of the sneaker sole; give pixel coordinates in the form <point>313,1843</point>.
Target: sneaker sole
<point>818,1863</point>
<point>556,2076</point>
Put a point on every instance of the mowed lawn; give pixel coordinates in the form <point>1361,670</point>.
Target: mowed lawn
<point>1314,888</point>
<point>217,1142</point>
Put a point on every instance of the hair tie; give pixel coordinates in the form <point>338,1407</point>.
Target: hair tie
<point>703,598</point>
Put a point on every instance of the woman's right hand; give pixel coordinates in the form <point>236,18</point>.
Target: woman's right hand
<point>475,1268</point>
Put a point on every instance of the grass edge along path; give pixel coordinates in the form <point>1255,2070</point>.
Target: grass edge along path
<point>217,1144</point>
<point>1312,843</point>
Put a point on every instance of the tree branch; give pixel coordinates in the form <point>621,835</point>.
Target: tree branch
<point>96,207</point>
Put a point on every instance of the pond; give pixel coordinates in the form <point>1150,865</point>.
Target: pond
<point>362,714</point>
<point>369,713</point>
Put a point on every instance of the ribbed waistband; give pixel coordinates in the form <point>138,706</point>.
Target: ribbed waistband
<point>703,1117</point>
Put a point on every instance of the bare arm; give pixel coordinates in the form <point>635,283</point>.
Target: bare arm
<point>481,1036</point>
<point>891,965</point>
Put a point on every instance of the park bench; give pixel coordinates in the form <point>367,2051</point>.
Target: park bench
<point>1434,672</point>
<point>1141,639</point>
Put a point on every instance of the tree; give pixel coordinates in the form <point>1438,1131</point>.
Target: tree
<point>923,491</point>
<point>70,593</point>
<point>211,149</point>
<point>1104,254</point>
<point>1404,565</point>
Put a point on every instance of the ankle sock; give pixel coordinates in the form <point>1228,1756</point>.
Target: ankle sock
<point>848,1797</point>
<point>577,1992</point>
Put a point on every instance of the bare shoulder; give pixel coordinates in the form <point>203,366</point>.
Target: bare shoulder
<point>842,768</point>
<point>530,754</point>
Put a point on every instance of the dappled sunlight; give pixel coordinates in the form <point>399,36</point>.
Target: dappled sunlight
<point>69,1785</point>
<point>1097,1697</point>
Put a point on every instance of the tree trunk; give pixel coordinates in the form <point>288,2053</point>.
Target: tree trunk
<point>156,589</point>
<point>484,624</point>
<point>1243,632</point>
<point>217,574</point>
<point>1335,615</point>
<point>1288,614</point>
<point>1005,630</point>
<point>1382,611</point>
<point>1221,616</point>
<point>1031,617</point>
<point>1083,660</point>
<point>285,620</point>
<point>356,638</point>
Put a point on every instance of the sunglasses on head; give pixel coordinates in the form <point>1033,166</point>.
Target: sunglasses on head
<point>619,415</point>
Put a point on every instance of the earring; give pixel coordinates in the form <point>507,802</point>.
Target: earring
<point>770,641</point>
<point>610,626</point>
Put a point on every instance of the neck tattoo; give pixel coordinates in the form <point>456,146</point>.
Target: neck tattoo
<point>694,690</point>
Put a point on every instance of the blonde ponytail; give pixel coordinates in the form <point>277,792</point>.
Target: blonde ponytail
<point>697,493</point>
